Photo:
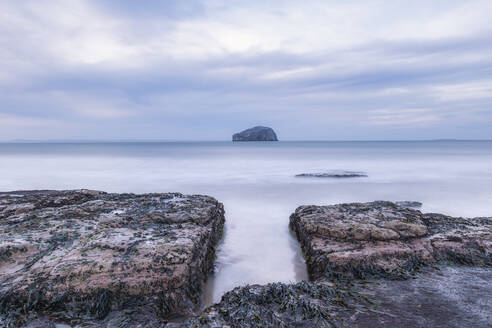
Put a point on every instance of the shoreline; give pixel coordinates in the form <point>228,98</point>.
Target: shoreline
<point>20,210</point>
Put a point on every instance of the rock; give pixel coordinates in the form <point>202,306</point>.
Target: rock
<point>383,239</point>
<point>437,297</point>
<point>304,304</point>
<point>80,255</point>
<point>333,174</point>
<point>351,250</point>
<point>354,252</point>
<point>41,323</point>
<point>258,133</point>
<point>442,296</point>
<point>409,204</point>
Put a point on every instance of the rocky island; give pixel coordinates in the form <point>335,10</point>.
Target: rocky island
<point>258,133</point>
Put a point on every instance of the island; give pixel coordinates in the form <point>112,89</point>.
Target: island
<point>258,133</point>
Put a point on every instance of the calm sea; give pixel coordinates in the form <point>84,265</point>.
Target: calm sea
<point>256,183</point>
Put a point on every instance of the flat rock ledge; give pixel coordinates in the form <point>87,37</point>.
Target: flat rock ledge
<point>77,256</point>
<point>382,239</point>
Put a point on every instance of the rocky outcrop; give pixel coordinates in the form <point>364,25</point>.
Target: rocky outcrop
<point>383,239</point>
<point>258,133</point>
<point>75,256</point>
<point>333,174</point>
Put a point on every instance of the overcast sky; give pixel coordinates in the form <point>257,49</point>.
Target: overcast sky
<point>202,70</point>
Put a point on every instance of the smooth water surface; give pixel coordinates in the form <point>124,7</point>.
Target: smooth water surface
<point>256,183</point>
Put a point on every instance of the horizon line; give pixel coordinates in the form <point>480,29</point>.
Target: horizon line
<point>38,141</point>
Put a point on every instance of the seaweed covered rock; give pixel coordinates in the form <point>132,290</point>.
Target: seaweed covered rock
<point>383,239</point>
<point>439,297</point>
<point>79,255</point>
<point>304,304</point>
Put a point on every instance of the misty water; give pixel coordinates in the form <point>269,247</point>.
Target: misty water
<point>256,182</point>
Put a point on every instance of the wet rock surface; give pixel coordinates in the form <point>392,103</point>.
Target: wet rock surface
<point>304,304</point>
<point>382,239</point>
<point>438,296</point>
<point>333,175</point>
<point>77,256</point>
<point>258,133</point>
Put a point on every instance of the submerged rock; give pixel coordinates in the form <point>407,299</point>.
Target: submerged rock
<point>258,133</point>
<point>382,239</point>
<point>75,256</point>
<point>333,174</point>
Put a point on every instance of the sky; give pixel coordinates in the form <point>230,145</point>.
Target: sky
<point>202,70</point>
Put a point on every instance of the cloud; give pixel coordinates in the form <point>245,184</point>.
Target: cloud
<point>403,117</point>
<point>14,121</point>
<point>476,90</point>
<point>339,70</point>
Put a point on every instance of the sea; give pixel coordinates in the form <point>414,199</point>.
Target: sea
<point>257,183</point>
